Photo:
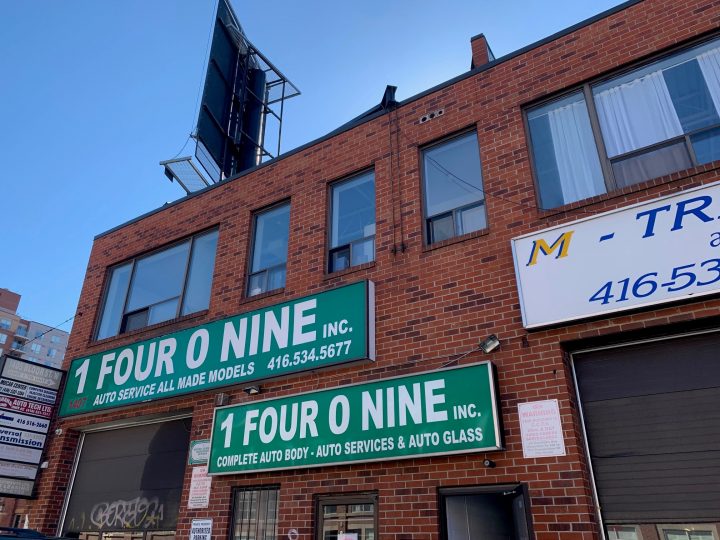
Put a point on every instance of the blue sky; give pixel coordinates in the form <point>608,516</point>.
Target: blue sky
<point>94,93</point>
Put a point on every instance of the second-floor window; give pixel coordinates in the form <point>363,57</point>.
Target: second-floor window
<point>269,250</point>
<point>5,324</point>
<point>161,286</point>
<point>36,348</point>
<point>352,222</point>
<point>652,121</point>
<point>453,188</point>
<point>3,338</point>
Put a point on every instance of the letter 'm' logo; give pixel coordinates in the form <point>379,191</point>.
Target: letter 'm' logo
<point>562,245</point>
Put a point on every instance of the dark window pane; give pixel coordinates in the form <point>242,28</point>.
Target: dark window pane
<point>652,164</point>
<point>339,259</point>
<point>134,321</point>
<point>114,301</point>
<point>199,280</point>
<point>255,515</point>
<point>353,210</point>
<point>441,228</point>
<point>158,277</point>
<point>452,175</point>
<point>490,516</point>
<point>546,169</point>
<point>706,145</point>
<point>271,238</point>
<point>690,96</point>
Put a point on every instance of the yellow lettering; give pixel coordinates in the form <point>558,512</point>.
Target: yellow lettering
<point>541,246</point>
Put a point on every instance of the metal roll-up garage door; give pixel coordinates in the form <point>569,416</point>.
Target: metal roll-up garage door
<point>652,419</point>
<point>128,482</point>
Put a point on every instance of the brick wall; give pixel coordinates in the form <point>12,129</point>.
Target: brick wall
<point>433,303</point>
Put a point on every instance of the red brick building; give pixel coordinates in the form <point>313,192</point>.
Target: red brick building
<point>423,198</point>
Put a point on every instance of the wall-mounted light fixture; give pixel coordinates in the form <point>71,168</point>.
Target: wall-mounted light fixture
<point>490,343</point>
<point>221,399</point>
<point>252,390</point>
<point>489,463</point>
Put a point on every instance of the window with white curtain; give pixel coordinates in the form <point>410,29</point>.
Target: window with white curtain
<point>655,120</point>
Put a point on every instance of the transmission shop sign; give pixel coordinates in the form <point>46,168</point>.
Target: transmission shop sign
<point>637,256</point>
<point>328,328</point>
<point>27,394</point>
<point>449,411</point>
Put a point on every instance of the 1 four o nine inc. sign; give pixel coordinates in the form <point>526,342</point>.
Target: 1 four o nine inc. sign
<point>449,411</point>
<point>324,329</point>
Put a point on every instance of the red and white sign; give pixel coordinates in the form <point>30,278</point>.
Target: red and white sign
<point>200,484</point>
<point>541,429</point>
<point>25,406</point>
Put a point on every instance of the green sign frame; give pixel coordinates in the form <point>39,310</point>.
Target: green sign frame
<point>321,330</point>
<point>441,412</point>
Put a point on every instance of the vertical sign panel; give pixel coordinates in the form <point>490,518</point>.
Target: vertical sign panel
<point>27,394</point>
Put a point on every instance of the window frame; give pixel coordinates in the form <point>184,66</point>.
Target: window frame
<point>367,497</point>
<point>251,249</point>
<point>233,512</point>
<point>133,263</point>
<point>705,527</point>
<point>426,219</point>
<point>444,492</point>
<point>606,163</point>
<point>329,221</point>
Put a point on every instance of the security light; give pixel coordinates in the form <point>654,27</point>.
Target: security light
<point>490,343</point>
<point>252,390</point>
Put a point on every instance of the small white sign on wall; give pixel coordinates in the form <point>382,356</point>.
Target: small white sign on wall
<point>200,485</point>
<point>541,429</point>
<point>201,529</point>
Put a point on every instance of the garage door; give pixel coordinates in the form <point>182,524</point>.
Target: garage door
<point>652,418</point>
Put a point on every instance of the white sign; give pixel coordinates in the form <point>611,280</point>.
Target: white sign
<point>23,438</point>
<point>201,529</point>
<point>636,256</point>
<point>199,452</point>
<point>23,421</point>
<point>541,429</point>
<point>200,484</point>
<point>13,486</point>
<point>14,388</point>
<point>20,453</point>
<point>19,470</point>
<point>30,373</point>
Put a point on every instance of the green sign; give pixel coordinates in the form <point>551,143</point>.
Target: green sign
<point>199,452</point>
<point>449,411</point>
<point>325,329</point>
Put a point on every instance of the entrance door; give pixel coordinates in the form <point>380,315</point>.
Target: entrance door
<point>485,512</point>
